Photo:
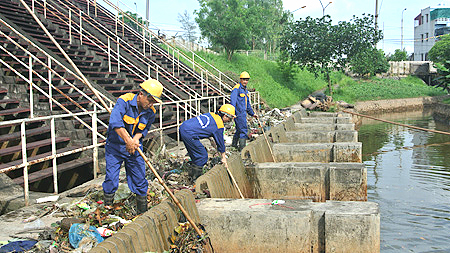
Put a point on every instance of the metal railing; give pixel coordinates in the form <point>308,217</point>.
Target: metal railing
<point>172,52</point>
<point>75,29</point>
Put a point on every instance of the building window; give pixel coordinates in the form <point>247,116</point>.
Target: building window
<point>422,37</point>
<point>422,20</point>
<point>426,17</point>
<point>426,36</point>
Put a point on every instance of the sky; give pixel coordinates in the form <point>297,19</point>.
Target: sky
<point>164,15</point>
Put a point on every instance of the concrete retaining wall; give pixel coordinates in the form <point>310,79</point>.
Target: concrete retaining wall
<point>396,104</point>
<point>296,226</point>
<point>315,181</point>
<point>150,231</point>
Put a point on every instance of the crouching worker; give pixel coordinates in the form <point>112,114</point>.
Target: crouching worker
<point>205,126</point>
<point>129,123</point>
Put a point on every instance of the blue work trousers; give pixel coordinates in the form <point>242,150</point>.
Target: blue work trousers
<point>197,152</point>
<point>241,126</point>
<point>115,155</point>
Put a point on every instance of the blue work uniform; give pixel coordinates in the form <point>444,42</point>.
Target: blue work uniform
<point>240,100</point>
<point>126,114</point>
<point>201,127</point>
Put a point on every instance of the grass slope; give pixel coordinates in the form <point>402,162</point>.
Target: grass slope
<point>277,92</point>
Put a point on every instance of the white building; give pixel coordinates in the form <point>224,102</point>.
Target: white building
<point>428,26</point>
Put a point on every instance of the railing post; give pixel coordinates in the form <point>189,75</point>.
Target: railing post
<point>150,44</point>
<point>109,55</point>
<point>24,160</point>
<point>193,61</point>
<point>143,40</point>
<point>70,26</point>
<point>45,8</point>
<point>178,123</point>
<point>148,71</point>
<point>55,168</point>
<point>173,62</point>
<point>178,62</point>
<point>160,124</point>
<point>94,141</point>
<point>185,111</point>
<point>157,72</point>
<point>32,5</point>
<point>220,82</point>
<point>50,89</point>
<point>118,54</point>
<point>30,82</point>
<point>95,4</point>
<point>117,19</point>
<point>201,81</point>
<point>81,28</point>
<point>88,7</point>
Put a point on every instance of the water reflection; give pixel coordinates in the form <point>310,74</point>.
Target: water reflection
<point>408,174</point>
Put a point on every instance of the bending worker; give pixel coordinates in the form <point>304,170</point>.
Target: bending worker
<point>132,116</point>
<point>240,100</point>
<point>205,126</point>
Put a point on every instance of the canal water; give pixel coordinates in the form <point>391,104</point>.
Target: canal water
<point>408,174</point>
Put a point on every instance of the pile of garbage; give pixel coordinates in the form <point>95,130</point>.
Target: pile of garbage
<point>83,221</point>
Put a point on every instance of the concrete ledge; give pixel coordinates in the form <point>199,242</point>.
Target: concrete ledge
<point>296,226</point>
<point>320,127</point>
<point>320,136</point>
<point>318,152</point>
<point>315,181</point>
<point>248,226</point>
<point>150,231</point>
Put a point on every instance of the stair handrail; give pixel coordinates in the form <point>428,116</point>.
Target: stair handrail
<point>141,73</point>
<point>187,58</point>
<point>41,77</point>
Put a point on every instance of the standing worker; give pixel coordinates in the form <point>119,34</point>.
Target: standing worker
<point>240,100</point>
<point>129,123</point>
<point>205,126</point>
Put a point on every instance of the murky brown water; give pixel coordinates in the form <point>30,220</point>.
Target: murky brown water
<point>409,176</point>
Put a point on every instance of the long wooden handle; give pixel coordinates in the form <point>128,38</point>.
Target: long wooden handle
<point>234,182</point>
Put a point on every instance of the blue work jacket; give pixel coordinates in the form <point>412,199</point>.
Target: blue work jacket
<point>205,126</point>
<point>240,100</point>
<point>126,114</point>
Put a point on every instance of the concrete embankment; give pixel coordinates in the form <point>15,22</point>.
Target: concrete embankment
<point>320,178</point>
<point>390,105</point>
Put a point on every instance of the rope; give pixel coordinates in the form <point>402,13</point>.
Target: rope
<point>399,124</point>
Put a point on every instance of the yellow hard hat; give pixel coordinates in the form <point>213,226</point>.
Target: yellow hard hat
<point>154,88</point>
<point>244,75</point>
<point>228,109</point>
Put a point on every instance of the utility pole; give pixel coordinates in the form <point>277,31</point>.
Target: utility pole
<point>376,15</point>
<point>401,47</point>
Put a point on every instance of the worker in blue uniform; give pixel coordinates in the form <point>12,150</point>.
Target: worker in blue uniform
<point>129,123</point>
<point>201,127</point>
<point>240,100</point>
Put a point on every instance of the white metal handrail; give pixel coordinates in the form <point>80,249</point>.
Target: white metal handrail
<point>106,48</point>
<point>48,81</point>
<point>26,162</point>
<point>172,57</point>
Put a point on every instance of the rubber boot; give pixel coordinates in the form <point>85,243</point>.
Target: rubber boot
<point>234,143</point>
<point>242,143</point>
<point>195,171</point>
<point>141,204</point>
<point>108,199</point>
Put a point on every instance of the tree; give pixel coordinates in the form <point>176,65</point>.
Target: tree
<point>188,25</point>
<point>223,23</point>
<point>130,18</point>
<point>440,52</point>
<point>443,80</point>
<point>399,55</point>
<point>320,47</point>
<point>369,62</point>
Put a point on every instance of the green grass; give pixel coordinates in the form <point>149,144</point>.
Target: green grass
<point>376,88</point>
<point>277,92</point>
<point>267,79</point>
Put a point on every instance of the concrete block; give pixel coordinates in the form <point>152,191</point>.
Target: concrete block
<point>140,240</point>
<point>347,152</point>
<point>290,181</point>
<point>317,120</point>
<point>346,136</point>
<point>258,151</point>
<point>352,227</point>
<point>290,124</point>
<point>252,226</point>
<point>237,169</point>
<point>293,152</point>
<point>347,182</point>
<point>126,242</point>
<point>152,231</point>
<point>310,136</point>
<point>187,200</point>
<point>277,134</point>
